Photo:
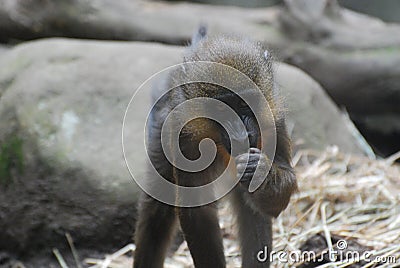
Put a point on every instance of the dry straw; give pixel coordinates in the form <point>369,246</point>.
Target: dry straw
<point>340,195</point>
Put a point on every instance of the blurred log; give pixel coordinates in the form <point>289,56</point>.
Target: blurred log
<point>357,60</point>
<point>127,20</point>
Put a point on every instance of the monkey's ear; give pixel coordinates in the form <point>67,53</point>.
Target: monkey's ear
<point>200,34</point>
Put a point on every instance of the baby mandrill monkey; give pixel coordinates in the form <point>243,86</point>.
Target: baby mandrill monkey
<point>254,210</point>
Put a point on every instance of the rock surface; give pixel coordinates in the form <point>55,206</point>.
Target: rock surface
<point>62,169</point>
<point>315,120</point>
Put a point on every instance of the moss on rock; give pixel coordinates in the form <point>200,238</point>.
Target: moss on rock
<point>11,159</point>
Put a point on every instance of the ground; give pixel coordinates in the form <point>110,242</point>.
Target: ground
<point>350,198</point>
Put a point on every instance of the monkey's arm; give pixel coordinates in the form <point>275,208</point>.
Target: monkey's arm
<point>273,195</point>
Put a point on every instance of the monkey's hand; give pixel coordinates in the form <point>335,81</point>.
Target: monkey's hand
<point>247,163</point>
<point>274,183</point>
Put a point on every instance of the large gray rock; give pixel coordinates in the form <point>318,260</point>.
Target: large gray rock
<point>61,165</point>
<point>3,49</point>
<point>315,120</point>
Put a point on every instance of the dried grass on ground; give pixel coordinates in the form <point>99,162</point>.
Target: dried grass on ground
<point>350,196</point>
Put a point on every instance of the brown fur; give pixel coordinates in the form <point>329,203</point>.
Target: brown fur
<point>254,211</point>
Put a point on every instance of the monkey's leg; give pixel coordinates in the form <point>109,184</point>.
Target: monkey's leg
<point>200,226</point>
<point>203,235</point>
<point>154,229</point>
<point>255,232</point>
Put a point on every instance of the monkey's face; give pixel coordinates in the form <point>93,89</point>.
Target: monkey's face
<point>234,135</point>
